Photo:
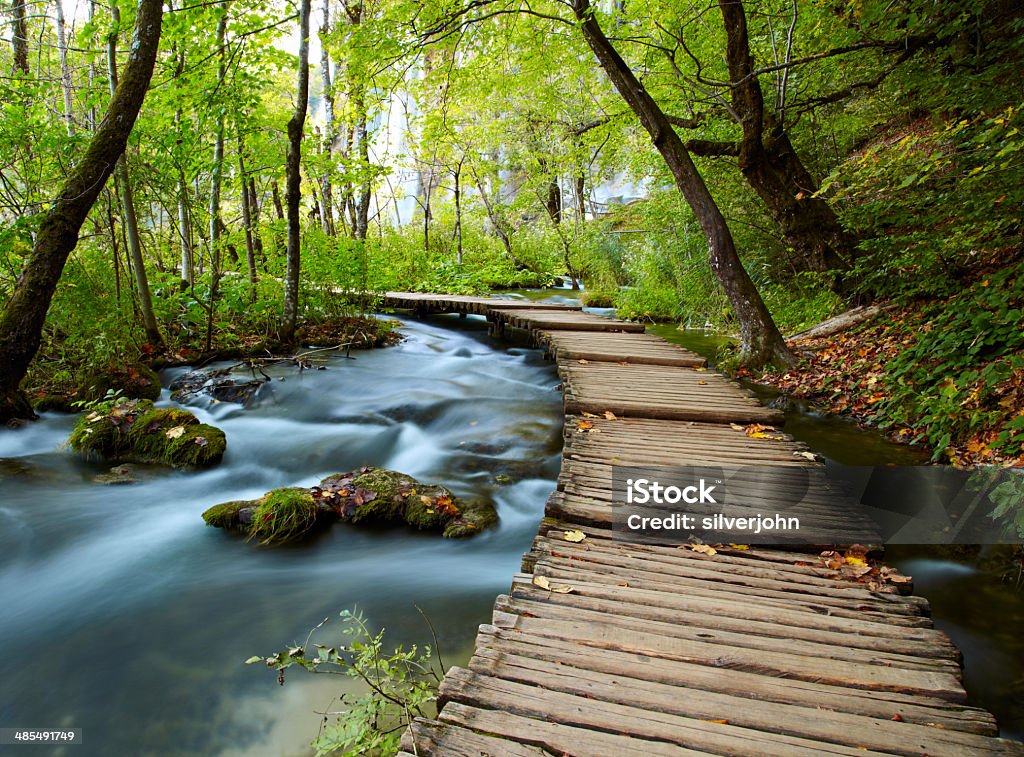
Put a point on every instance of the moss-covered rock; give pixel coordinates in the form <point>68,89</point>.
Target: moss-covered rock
<point>132,380</point>
<point>228,514</point>
<point>134,430</point>
<point>369,495</point>
<point>280,516</point>
<point>382,496</point>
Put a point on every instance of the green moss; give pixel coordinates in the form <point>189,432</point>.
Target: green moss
<point>225,515</point>
<point>135,430</point>
<point>283,515</point>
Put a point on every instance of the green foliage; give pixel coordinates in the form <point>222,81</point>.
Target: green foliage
<point>283,516</point>
<point>399,686</point>
<point>1008,498</point>
<point>932,201</point>
<point>956,375</point>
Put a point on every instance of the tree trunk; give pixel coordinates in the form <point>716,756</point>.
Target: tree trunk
<point>457,176</point>
<point>553,203</point>
<point>362,203</point>
<point>254,209</point>
<point>65,69</point>
<point>216,180</point>
<point>326,192</point>
<point>773,169</point>
<point>22,323</point>
<point>128,216</point>
<point>276,195</point>
<point>19,37</point>
<point>185,235</point>
<point>293,166</point>
<point>761,342</point>
<point>250,245</point>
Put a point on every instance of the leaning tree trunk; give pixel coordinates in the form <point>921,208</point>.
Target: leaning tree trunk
<point>761,342</point>
<point>773,169</point>
<point>128,216</point>
<point>293,167</point>
<point>21,326</point>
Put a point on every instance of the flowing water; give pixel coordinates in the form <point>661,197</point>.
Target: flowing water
<point>125,615</point>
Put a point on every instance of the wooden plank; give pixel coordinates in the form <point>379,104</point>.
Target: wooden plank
<point>923,710</point>
<point>641,349</point>
<point>556,739</point>
<point>425,735</point>
<point>463,686</point>
<point>745,617</point>
<point>938,683</point>
<point>562,607</point>
<point>855,730</point>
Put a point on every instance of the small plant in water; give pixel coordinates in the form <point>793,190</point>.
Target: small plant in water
<point>401,685</point>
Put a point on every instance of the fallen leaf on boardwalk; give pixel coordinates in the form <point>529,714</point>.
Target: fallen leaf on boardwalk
<point>584,362</point>
<point>624,584</point>
<point>757,428</point>
<point>702,383</point>
<point>807,455</point>
<point>736,427</point>
<point>610,415</point>
<point>585,414</point>
<point>720,721</point>
<point>543,583</point>
<point>584,425</point>
<point>704,549</point>
<point>855,560</point>
<point>174,433</point>
<point>739,546</point>
<point>832,559</point>
<point>898,718</point>
<point>574,536</point>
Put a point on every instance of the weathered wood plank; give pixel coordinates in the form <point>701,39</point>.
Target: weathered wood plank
<point>466,687</point>
<point>433,736</point>
<point>557,739</point>
<point>812,722</point>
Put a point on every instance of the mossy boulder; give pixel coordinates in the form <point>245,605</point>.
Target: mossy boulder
<point>132,380</point>
<point>136,431</point>
<point>369,495</point>
<point>382,496</point>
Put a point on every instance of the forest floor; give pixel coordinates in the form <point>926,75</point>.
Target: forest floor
<point>882,374</point>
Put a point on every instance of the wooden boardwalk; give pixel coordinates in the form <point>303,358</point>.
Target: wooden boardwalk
<point>604,648</point>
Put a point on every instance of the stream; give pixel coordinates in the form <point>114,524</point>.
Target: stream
<point>126,616</point>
